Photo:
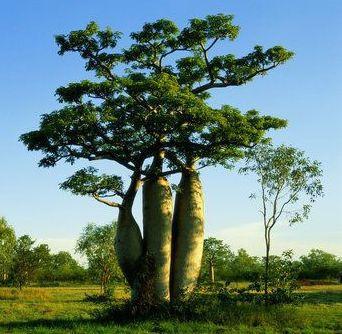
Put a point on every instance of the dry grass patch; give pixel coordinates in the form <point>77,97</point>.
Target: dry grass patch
<point>28,294</point>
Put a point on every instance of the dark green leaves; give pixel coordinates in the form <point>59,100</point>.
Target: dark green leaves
<point>87,182</point>
<point>152,97</point>
<point>92,43</point>
<point>154,40</point>
<point>91,40</point>
<point>161,47</point>
<point>158,31</point>
<point>213,27</point>
<point>90,132</point>
<point>231,132</point>
<point>75,91</point>
<point>231,71</point>
<point>191,70</point>
<point>286,177</point>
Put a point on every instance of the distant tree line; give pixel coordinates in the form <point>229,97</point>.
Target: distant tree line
<point>220,263</point>
<point>23,262</point>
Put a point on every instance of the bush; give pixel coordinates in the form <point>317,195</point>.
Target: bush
<point>320,265</point>
<point>282,276</point>
<point>211,302</point>
<point>219,308</point>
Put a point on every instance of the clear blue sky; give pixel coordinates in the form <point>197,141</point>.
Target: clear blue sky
<point>306,91</point>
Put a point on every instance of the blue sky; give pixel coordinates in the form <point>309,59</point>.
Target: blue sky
<point>306,91</point>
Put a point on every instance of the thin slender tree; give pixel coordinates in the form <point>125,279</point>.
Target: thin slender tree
<point>289,183</point>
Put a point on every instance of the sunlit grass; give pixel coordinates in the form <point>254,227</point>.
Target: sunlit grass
<point>63,310</point>
<point>30,294</point>
<point>313,288</point>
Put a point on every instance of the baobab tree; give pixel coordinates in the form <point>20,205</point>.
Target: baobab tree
<point>155,48</point>
<point>154,119</point>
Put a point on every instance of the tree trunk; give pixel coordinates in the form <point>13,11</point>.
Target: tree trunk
<point>128,239</point>
<point>128,244</point>
<point>212,273</point>
<point>157,220</point>
<point>188,235</point>
<point>267,261</point>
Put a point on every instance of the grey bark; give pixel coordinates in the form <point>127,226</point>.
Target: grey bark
<point>128,239</point>
<point>188,235</point>
<point>157,220</point>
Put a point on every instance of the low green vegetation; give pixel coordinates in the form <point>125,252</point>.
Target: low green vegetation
<point>63,310</point>
<point>25,263</point>
<point>223,266</point>
<point>54,296</point>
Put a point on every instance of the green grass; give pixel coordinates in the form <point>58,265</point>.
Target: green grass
<point>62,310</point>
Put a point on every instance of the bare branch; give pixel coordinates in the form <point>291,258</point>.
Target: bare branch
<point>286,203</point>
<point>107,202</point>
<point>167,173</point>
<point>207,63</point>
<point>212,44</point>
<point>170,52</point>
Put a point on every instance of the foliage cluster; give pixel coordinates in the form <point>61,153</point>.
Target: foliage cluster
<point>97,244</point>
<point>23,262</point>
<point>320,265</point>
<point>240,266</point>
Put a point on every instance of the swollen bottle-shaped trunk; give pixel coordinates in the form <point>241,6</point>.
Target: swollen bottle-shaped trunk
<point>157,220</point>
<point>128,244</point>
<point>128,239</point>
<point>188,235</point>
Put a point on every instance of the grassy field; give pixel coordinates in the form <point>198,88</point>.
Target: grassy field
<point>62,310</point>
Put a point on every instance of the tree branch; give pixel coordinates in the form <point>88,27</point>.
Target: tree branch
<point>287,202</point>
<point>212,44</point>
<point>226,82</point>
<point>105,201</point>
<point>207,62</point>
<point>167,173</point>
